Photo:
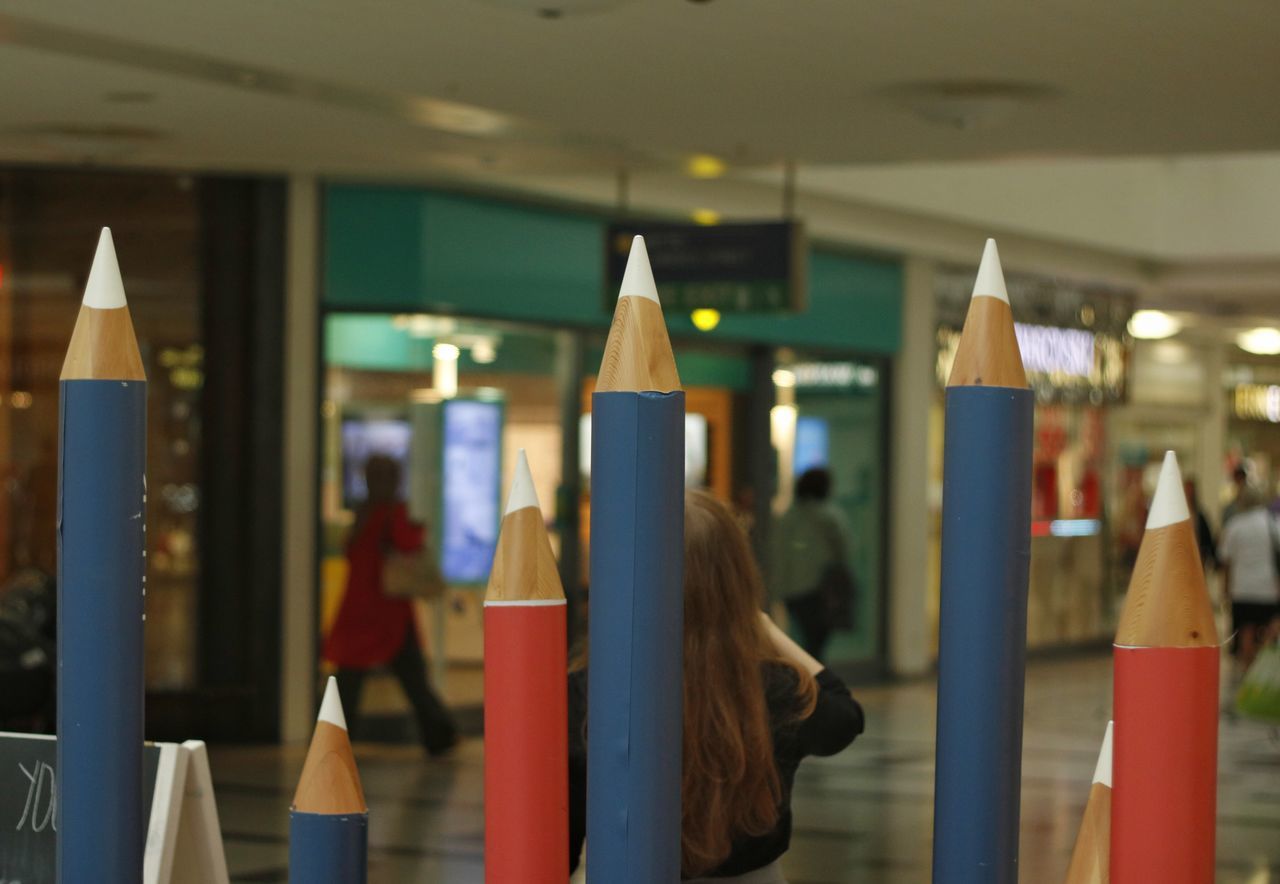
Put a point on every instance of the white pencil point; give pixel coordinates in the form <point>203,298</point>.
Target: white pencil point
<point>1169,503</point>
<point>638,278</point>
<point>522,493</point>
<point>990,281</point>
<point>1102,773</point>
<point>331,706</point>
<point>105,289</point>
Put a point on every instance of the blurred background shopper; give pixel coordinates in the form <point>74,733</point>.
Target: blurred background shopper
<point>1249,549</point>
<point>810,570</point>
<point>375,630</point>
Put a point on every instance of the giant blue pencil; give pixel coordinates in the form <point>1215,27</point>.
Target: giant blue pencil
<point>101,534</point>
<point>986,557</point>
<point>635,688</point>
<point>329,820</point>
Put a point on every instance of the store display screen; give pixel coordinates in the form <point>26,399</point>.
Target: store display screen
<point>362,438</point>
<point>813,444</point>
<point>472,473</point>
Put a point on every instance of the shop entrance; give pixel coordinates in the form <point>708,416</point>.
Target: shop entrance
<point>451,402</point>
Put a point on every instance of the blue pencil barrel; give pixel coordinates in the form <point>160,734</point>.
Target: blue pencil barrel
<point>986,557</point>
<point>328,848</point>
<point>635,680</point>
<point>101,537</point>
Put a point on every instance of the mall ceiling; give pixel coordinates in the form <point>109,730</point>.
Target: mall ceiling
<point>898,116</point>
<point>397,85</point>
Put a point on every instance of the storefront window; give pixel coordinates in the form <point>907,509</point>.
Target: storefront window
<point>452,401</point>
<point>1077,359</point>
<point>49,225</point>
<point>831,415</point>
<point>390,249</point>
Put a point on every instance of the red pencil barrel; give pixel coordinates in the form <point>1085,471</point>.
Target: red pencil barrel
<point>1164,786</point>
<point>526,751</point>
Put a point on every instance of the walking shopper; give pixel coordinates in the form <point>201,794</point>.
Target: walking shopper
<point>374,630</point>
<point>809,563</point>
<point>1248,550</point>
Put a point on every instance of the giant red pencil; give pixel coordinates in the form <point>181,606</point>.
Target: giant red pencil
<point>526,736</point>
<point>1164,794</point>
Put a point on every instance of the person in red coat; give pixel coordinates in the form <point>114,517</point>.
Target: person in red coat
<point>373,629</point>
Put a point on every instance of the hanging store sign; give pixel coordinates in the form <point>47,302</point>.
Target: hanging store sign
<point>733,268</point>
<point>1072,335</point>
<point>1042,301</point>
<point>1062,364</point>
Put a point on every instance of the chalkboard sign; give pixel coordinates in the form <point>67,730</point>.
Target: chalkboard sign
<point>28,805</point>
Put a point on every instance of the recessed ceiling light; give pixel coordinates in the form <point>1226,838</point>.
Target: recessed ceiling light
<point>1151,325</point>
<point>1260,341</point>
<point>704,165</point>
<point>706,217</point>
<point>462,119</point>
<point>705,319</point>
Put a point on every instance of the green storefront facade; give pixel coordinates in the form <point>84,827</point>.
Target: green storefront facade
<point>512,293</point>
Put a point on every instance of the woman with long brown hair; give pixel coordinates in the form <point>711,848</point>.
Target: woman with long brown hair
<point>755,704</point>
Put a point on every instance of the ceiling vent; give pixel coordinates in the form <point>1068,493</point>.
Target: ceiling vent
<point>967,104</point>
<point>559,8</point>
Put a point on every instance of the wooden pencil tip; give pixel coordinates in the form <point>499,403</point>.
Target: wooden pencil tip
<point>103,344</point>
<point>522,493</point>
<point>637,355</point>
<point>330,782</point>
<point>524,566</point>
<point>1169,503</point>
<point>1091,856</point>
<point>987,353</point>
<point>105,288</point>
<point>1167,605</point>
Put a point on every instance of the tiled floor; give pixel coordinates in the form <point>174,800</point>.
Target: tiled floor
<point>864,816</point>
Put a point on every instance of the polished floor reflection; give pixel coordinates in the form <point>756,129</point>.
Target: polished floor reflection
<point>864,816</point>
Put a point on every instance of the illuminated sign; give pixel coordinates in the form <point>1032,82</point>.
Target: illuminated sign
<point>1061,363</point>
<point>840,375</point>
<point>1050,350</point>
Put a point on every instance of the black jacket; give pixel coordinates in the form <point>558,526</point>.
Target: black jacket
<point>835,721</point>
